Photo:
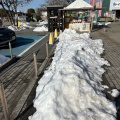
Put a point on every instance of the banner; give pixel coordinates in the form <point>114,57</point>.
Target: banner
<point>85,27</point>
<point>115,5</point>
<point>91,2</point>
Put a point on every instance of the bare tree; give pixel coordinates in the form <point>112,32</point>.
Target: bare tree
<point>10,7</point>
<point>56,2</point>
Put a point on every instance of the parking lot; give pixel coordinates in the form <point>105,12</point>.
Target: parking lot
<point>23,43</point>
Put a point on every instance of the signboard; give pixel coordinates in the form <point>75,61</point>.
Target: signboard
<point>115,5</point>
<point>85,27</point>
<point>93,2</point>
<point>82,27</point>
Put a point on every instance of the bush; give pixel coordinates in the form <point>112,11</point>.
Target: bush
<point>38,17</point>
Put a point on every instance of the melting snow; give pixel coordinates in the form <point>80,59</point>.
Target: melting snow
<point>71,87</point>
<point>115,93</point>
<point>41,29</point>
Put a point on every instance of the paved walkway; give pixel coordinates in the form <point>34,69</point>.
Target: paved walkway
<point>111,41</point>
<point>20,82</point>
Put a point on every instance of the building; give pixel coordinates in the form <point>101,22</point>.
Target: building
<point>115,8</point>
<point>54,17</point>
<point>106,5</point>
<point>44,14</point>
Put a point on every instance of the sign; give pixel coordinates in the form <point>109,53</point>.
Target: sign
<point>82,27</point>
<point>115,5</point>
<point>85,27</point>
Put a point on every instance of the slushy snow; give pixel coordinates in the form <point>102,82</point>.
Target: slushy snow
<point>25,25</point>
<point>71,87</point>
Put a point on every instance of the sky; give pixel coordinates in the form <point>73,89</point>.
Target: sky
<point>34,4</point>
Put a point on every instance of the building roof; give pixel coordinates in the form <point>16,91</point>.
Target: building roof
<point>78,4</point>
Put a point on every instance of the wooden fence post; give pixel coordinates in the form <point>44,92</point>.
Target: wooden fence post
<point>4,102</point>
<point>35,65</point>
<point>47,49</point>
<point>10,50</point>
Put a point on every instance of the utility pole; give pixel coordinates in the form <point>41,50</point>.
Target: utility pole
<point>93,2</point>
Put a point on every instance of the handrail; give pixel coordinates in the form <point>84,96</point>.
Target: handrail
<point>23,58</point>
<point>2,93</point>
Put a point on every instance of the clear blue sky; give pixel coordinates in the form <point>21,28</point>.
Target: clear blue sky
<point>34,4</point>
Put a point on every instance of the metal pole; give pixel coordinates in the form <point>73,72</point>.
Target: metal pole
<point>91,23</point>
<point>35,64</point>
<point>63,26</point>
<point>105,22</point>
<point>47,49</point>
<point>59,19</point>
<point>4,103</point>
<point>92,15</point>
<point>10,50</point>
<point>115,16</point>
<point>93,2</point>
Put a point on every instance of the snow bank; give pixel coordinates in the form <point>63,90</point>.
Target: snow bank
<point>23,26</point>
<point>26,25</point>
<point>41,23</point>
<point>3,59</point>
<point>15,28</point>
<point>41,29</point>
<point>71,87</point>
<point>115,93</point>
<point>102,23</point>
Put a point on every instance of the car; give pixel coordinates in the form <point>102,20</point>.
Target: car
<point>6,36</point>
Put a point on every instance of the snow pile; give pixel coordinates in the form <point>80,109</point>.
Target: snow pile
<point>15,28</point>
<point>104,23</point>
<point>71,87</point>
<point>40,23</point>
<point>41,29</point>
<point>23,26</point>
<point>3,59</point>
<point>115,93</point>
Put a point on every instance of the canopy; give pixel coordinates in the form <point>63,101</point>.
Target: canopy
<point>78,4</point>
